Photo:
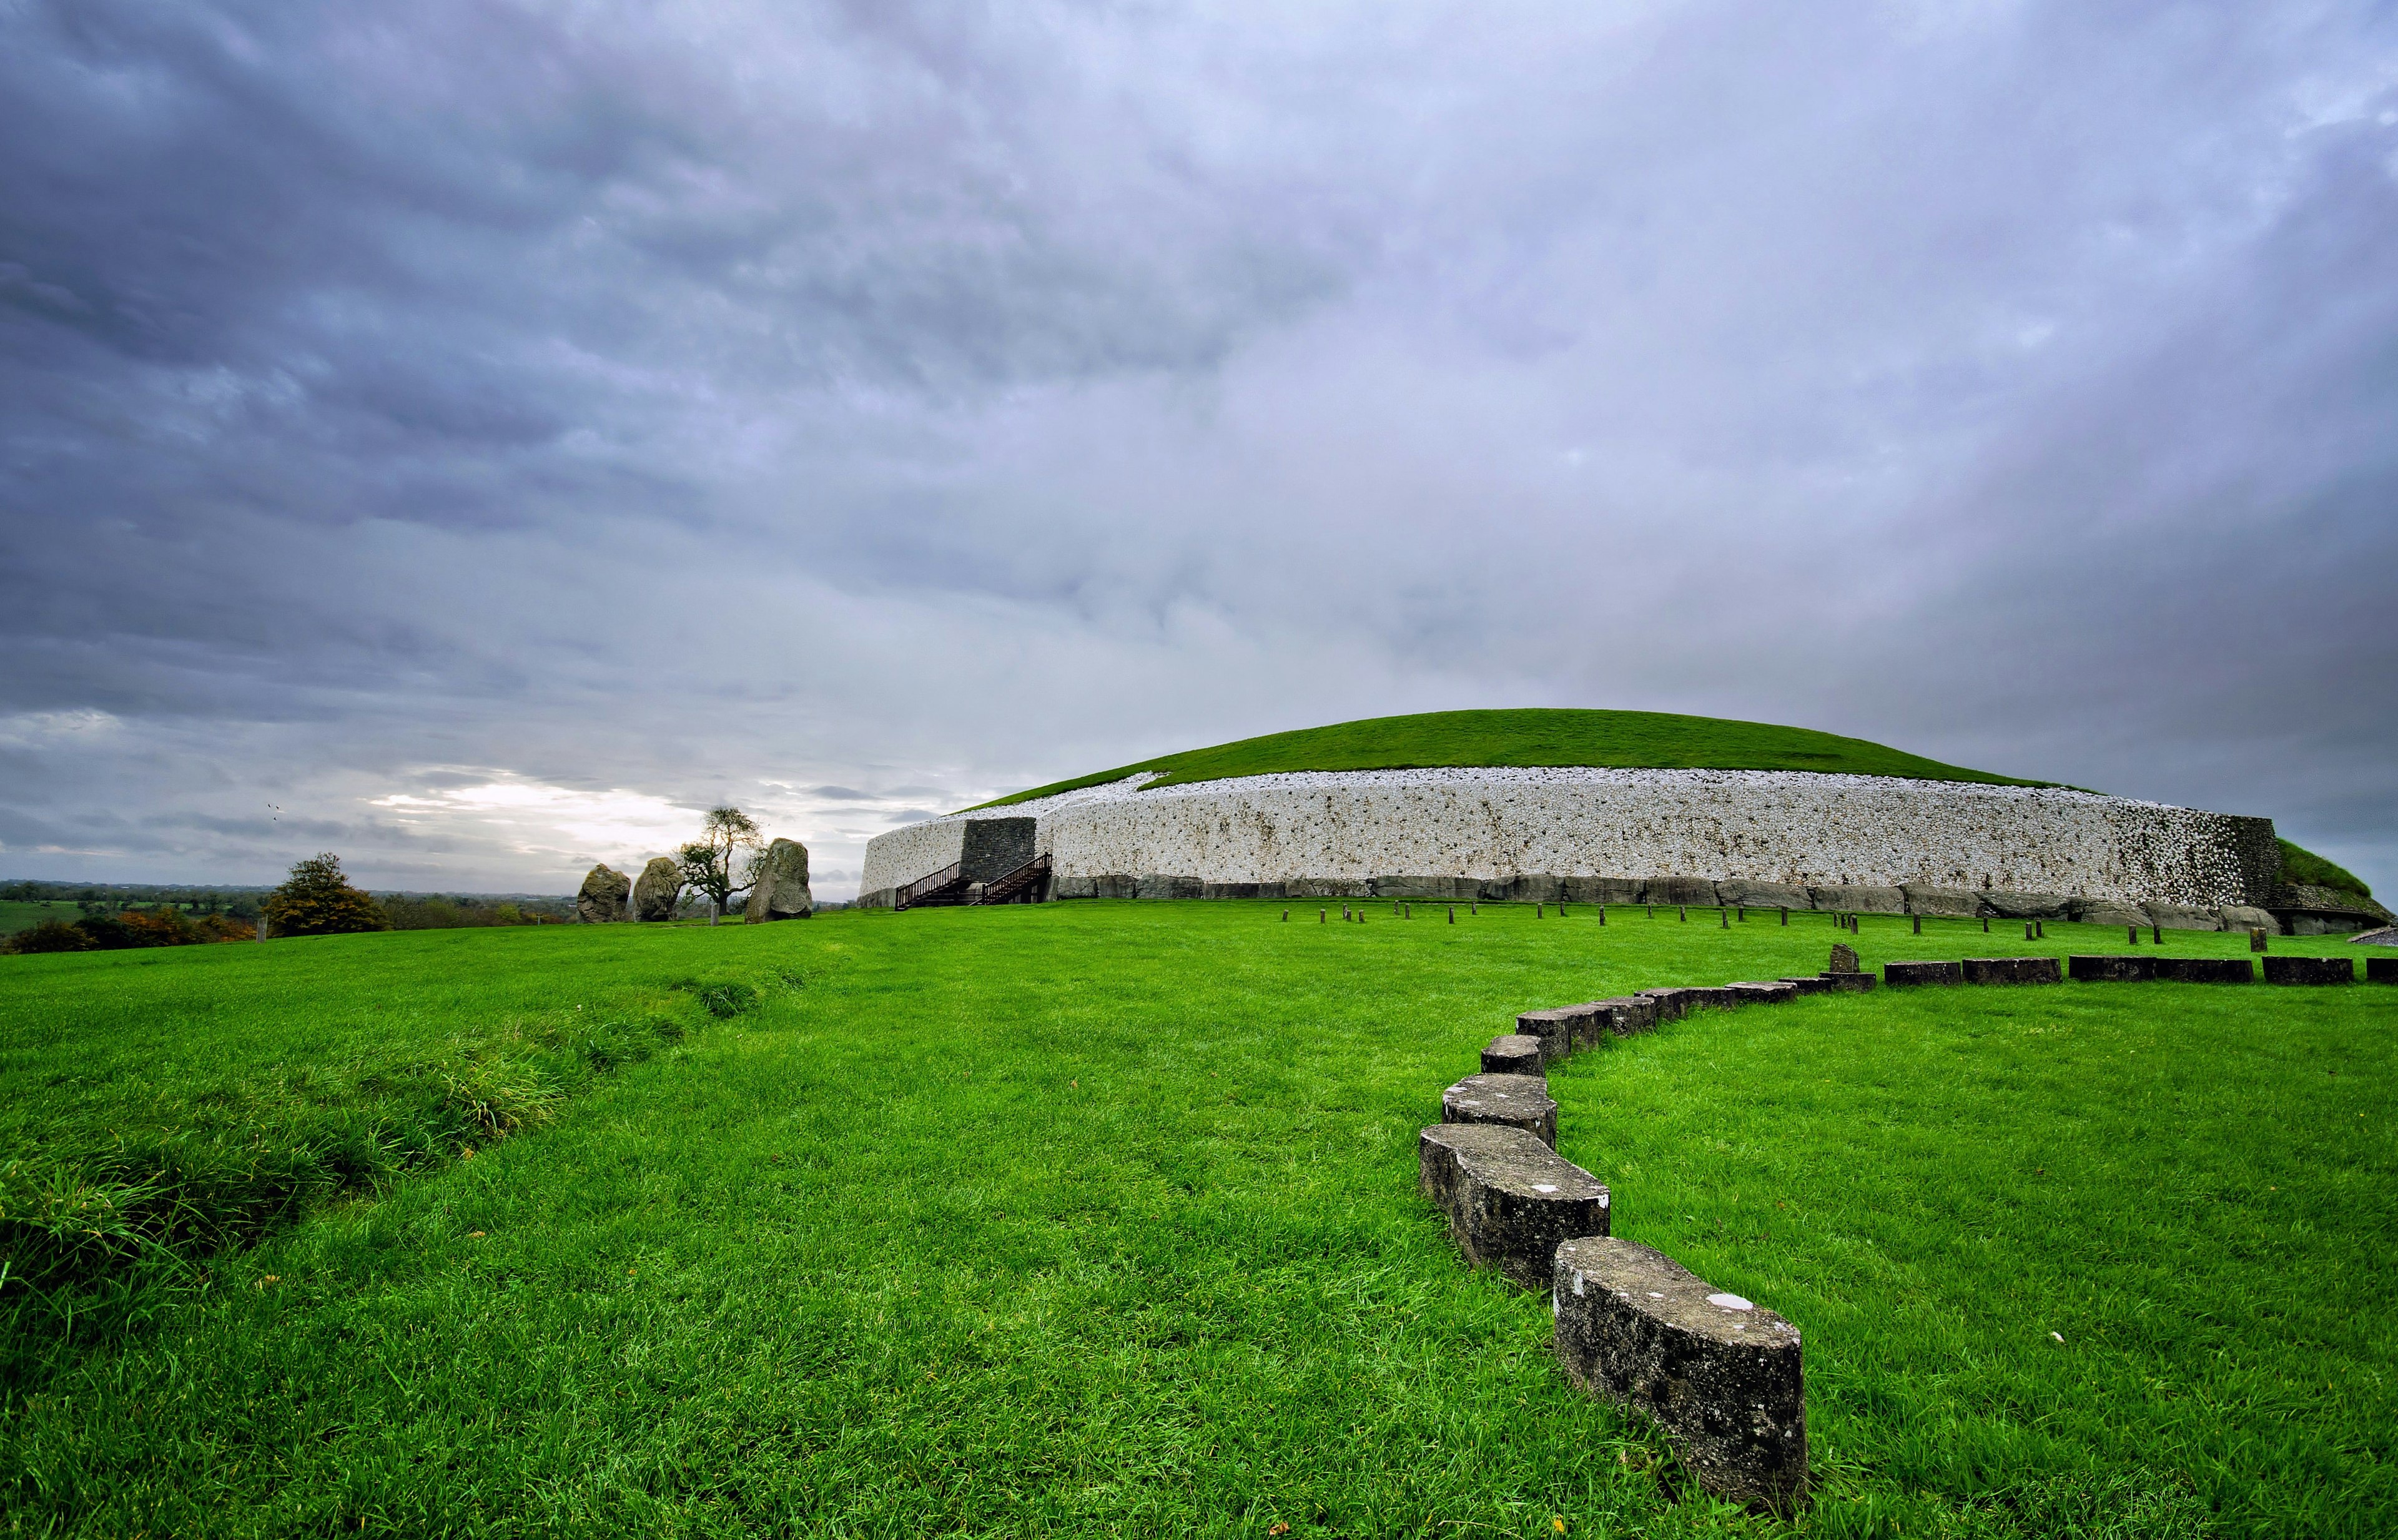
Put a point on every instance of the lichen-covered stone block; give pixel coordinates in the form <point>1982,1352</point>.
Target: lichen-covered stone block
<point>1678,890</point>
<point>2381,970</point>
<point>2110,970</point>
<point>1860,900</point>
<point>2006,904</point>
<point>1513,1054</point>
<point>2012,970</point>
<point>1955,902</point>
<point>1600,890</point>
<point>2309,970</point>
<point>2165,916</point>
<point>1623,1016</point>
<point>1721,1376</point>
<point>1897,974</point>
<point>2205,970</point>
<point>1765,895</point>
<point>1850,984</point>
<point>1761,993</point>
<point>1844,959</point>
<point>1516,1101</point>
<point>1809,985</point>
<point>1511,1200</point>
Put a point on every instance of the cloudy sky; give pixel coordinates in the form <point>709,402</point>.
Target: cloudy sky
<point>474,437</point>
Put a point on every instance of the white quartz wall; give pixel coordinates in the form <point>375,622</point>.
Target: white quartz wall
<point>1764,825</point>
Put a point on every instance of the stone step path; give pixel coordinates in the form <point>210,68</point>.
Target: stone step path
<point>1511,1101</point>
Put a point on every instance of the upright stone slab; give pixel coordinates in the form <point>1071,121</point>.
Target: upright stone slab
<point>1954,902</point>
<point>1898,974</point>
<point>1512,1100</point>
<point>1722,1377</point>
<point>601,898</point>
<point>2244,917</point>
<point>2008,905</point>
<point>2110,970</point>
<point>2205,970</point>
<point>1765,895</point>
<point>1600,890</point>
<point>2108,912</point>
<point>2165,916</point>
<point>655,890</point>
<point>2012,970</point>
<point>1510,1198</point>
<point>1844,959</point>
<point>781,892</point>
<point>2309,971</point>
<point>1512,1054</point>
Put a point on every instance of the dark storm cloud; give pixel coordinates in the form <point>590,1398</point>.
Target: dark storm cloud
<point>491,434</point>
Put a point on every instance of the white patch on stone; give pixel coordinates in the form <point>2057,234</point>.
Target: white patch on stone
<point>1730,1302</point>
<point>1544,1186</point>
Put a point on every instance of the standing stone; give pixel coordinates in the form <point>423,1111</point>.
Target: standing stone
<point>602,895</point>
<point>1722,1377</point>
<point>1844,959</point>
<point>657,889</point>
<point>781,892</point>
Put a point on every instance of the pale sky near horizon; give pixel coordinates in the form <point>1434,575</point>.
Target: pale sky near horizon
<point>474,437</point>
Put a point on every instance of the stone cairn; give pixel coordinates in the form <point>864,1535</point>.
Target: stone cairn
<point>1718,1373</point>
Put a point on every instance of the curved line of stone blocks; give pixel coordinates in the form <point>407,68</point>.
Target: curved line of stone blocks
<point>1723,1377</point>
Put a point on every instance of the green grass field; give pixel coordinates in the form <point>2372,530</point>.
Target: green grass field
<point>1632,741</point>
<point>16,915</point>
<point>1100,1218</point>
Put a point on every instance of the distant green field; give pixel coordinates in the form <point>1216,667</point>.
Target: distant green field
<point>1634,740</point>
<point>1100,1218</point>
<point>16,915</point>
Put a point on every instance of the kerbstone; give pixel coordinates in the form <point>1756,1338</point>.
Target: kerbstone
<point>1511,1200</point>
<point>1898,974</point>
<point>2007,905</point>
<point>2012,970</point>
<point>1513,1100</point>
<point>1556,1030</point>
<point>2107,912</point>
<point>2243,917</point>
<point>1602,890</point>
<point>1678,890</point>
<point>2309,971</point>
<point>1513,1054</point>
<point>2205,970</point>
<point>2111,970</point>
<point>2182,917</point>
<point>1625,1016</point>
<point>1860,900</point>
<point>1761,993</point>
<point>1720,1375</point>
<point>1954,902</point>
<point>1765,895</point>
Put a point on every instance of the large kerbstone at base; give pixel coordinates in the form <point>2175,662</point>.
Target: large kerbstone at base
<point>1513,1054</point>
<point>1512,1100</point>
<point>2205,970</point>
<point>1722,1377</point>
<point>1678,890</point>
<point>1457,890</point>
<point>2107,912</point>
<point>1560,1031</point>
<point>1765,895</point>
<point>2111,970</point>
<point>2243,917</point>
<point>781,890</point>
<point>2028,905</point>
<point>2182,917</point>
<point>1602,890</point>
<point>601,899</point>
<point>2309,971</point>
<point>1511,1200</point>
<point>1897,974</point>
<point>2012,970</point>
<point>1533,888</point>
<point>1860,900</point>
<point>1152,885</point>
<point>1953,902</point>
<point>655,890</point>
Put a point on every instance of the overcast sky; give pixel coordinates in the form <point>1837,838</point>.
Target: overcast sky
<point>473,438</point>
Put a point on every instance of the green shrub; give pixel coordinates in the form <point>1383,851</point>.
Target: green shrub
<point>51,936</point>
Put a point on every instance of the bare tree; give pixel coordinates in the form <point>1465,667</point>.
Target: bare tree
<point>707,862</point>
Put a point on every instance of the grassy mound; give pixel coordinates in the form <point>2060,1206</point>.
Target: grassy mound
<point>1537,736</point>
<point>1117,1232</point>
<point>2304,867</point>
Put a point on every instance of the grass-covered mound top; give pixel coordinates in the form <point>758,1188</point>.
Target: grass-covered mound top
<point>2302,866</point>
<point>1530,738</point>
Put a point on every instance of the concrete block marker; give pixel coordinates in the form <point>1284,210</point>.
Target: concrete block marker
<point>1721,1376</point>
<point>2111,970</point>
<point>2204,971</point>
<point>2309,970</point>
<point>1512,1054</point>
<point>1898,974</point>
<point>2012,970</point>
<point>1511,1200</point>
<point>1512,1100</point>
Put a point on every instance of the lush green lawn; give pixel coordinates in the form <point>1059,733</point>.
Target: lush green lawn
<point>1639,740</point>
<point>18,915</point>
<point>1100,1217</point>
